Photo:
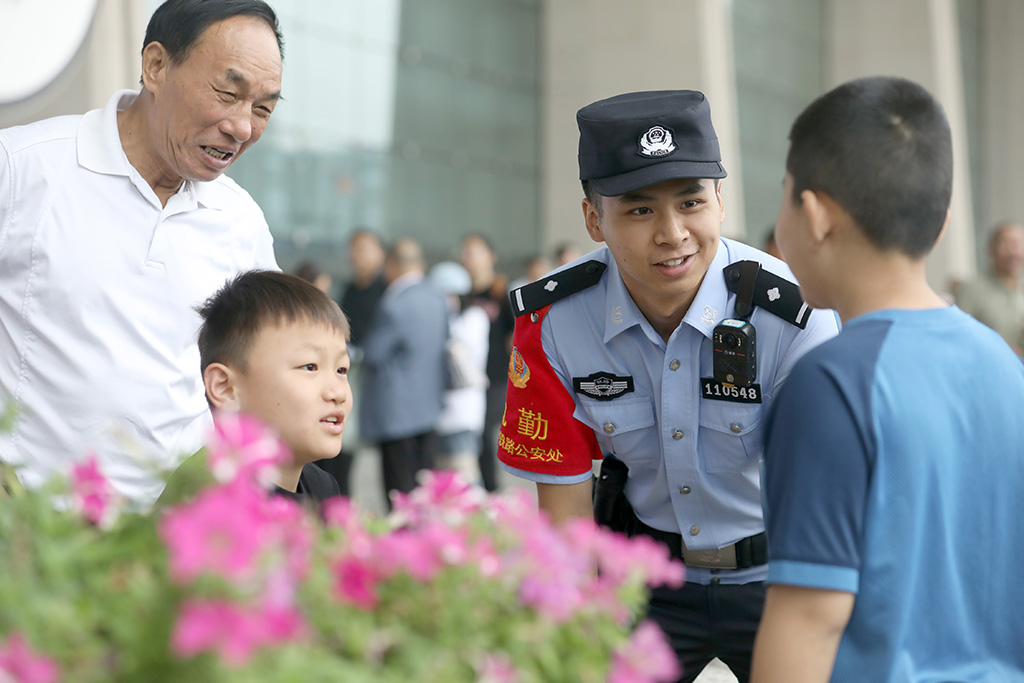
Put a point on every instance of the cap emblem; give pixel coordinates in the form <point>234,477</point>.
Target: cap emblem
<point>657,142</point>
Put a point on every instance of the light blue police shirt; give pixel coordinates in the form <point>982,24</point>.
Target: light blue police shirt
<point>694,464</point>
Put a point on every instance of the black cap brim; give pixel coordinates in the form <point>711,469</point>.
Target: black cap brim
<point>623,183</point>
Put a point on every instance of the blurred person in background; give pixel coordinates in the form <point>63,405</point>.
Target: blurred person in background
<point>489,292</point>
<point>770,246</point>
<point>996,297</point>
<point>313,274</point>
<point>461,425</point>
<point>534,268</point>
<point>114,226</point>
<point>403,381</point>
<point>567,252</point>
<point>359,301</point>
<point>363,292</point>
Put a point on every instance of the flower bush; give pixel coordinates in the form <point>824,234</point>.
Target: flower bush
<point>232,584</point>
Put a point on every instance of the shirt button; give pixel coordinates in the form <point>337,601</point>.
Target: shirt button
<point>694,530</point>
<point>715,580</point>
<point>677,435</point>
<point>534,317</point>
<point>736,428</point>
<point>609,428</point>
<point>684,490</point>
<point>674,365</point>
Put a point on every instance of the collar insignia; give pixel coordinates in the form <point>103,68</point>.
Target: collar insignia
<point>709,315</point>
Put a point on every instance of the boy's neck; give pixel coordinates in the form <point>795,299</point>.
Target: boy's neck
<point>883,280</point>
<point>288,477</point>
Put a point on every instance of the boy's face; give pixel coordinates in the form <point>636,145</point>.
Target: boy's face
<point>296,380</point>
<point>663,237</point>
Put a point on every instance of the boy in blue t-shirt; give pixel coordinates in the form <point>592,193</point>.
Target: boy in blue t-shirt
<point>894,457</point>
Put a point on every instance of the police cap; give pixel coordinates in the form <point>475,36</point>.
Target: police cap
<point>643,138</point>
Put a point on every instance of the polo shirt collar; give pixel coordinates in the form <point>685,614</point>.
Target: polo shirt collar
<point>99,145</point>
<point>707,309</point>
<point>100,151</point>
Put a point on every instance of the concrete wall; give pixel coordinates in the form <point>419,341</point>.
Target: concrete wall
<point>915,39</point>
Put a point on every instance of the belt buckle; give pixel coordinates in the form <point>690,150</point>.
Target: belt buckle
<point>715,558</point>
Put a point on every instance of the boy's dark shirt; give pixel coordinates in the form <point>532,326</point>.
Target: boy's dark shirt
<point>315,486</point>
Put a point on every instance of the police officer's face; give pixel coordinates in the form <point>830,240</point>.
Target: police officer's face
<point>663,238</point>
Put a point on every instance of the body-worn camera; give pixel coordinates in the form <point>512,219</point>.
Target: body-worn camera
<point>735,352</point>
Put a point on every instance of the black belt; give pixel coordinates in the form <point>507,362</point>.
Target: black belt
<point>750,552</point>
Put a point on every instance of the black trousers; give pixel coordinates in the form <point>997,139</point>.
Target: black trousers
<point>704,622</point>
<point>401,459</point>
<point>489,443</point>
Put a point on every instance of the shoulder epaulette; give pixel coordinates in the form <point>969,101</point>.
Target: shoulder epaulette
<point>556,286</point>
<point>775,294</point>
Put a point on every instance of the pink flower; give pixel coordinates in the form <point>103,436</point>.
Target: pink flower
<point>442,494</point>
<point>233,631</point>
<point>221,531</point>
<point>496,668</point>
<point>91,493</point>
<point>241,445</point>
<point>20,664</point>
<point>645,658</point>
<point>355,583</point>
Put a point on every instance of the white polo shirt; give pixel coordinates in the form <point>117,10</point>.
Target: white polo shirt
<point>98,284</point>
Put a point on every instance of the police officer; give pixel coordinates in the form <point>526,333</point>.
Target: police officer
<point>613,356</point>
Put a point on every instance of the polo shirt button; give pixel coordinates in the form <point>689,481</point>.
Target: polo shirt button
<point>677,435</point>
<point>694,530</point>
<point>609,428</point>
<point>715,580</point>
<point>534,317</point>
<point>674,365</point>
<point>684,490</point>
<point>736,428</point>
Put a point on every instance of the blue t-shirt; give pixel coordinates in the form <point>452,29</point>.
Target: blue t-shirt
<point>894,469</point>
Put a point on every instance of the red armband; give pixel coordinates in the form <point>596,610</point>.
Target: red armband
<point>538,430</point>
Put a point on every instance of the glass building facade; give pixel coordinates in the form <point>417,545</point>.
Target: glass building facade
<point>410,119</point>
<point>780,67</point>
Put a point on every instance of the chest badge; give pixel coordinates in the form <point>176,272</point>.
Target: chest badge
<point>602,386</point>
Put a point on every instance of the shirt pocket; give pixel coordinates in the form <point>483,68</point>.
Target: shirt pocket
<point>730,438</point>
<point>624,427</point>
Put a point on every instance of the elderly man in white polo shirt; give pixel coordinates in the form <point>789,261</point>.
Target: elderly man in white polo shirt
<point>113,227</point>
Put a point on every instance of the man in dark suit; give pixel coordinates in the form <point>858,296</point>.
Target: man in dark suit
<point>403,361</point>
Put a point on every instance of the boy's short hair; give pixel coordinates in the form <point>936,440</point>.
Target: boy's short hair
<point>881,148</point>
<point>253,300</point>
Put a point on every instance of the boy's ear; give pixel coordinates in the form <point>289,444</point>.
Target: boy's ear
<point>592,218</point>
<point>820,210</point>
<point>220,386</point>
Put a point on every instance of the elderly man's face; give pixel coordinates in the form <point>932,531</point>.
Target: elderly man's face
<point>216,103</point>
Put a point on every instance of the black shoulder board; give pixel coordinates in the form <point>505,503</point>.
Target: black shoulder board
<point>774,294</point>
<point>550,289</point>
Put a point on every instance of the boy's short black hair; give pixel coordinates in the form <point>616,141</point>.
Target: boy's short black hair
<point>881,148</point>
<point>252,300</point>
